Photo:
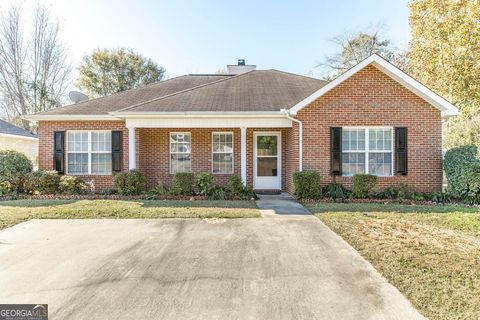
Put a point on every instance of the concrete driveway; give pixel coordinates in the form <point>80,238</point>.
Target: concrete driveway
<point>292,268</point>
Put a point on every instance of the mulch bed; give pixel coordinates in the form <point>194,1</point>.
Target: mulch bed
<point>387,201</point>
<point>96,197</point>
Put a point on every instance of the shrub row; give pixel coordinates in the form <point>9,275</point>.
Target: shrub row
<point>17,177</point>
<point>185,184</point>
<point>307,186</point>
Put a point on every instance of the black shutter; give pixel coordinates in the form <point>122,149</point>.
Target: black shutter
<point>401,155</point>
<point>336,151</point>
<point>117,151</point>
<point>59,151</point>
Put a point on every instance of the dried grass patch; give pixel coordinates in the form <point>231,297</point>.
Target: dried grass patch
<point>436,267</point>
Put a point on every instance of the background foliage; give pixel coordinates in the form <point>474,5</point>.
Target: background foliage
<point>105,71</point>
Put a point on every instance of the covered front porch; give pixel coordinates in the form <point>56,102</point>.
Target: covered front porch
<point>261,150</point>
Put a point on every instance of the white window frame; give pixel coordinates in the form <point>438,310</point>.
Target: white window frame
<point>170,151</point>
<point>89,152</point>
<point>367,150</point>
<point>233,152</point>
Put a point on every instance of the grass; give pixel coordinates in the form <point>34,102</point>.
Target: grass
<point>431,254</point>
<point>16,211</point>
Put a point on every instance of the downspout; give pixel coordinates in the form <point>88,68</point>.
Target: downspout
<point>300,138</point>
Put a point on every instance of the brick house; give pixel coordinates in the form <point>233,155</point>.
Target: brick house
<point>262,125</point>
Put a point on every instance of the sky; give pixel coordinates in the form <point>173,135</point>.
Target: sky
<point>203,36</point>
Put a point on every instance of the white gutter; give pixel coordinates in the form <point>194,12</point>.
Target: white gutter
<point>300,138</point>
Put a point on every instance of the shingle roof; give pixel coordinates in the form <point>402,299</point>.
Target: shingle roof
<point>258,90</point>
<point>117,101</point>
<point>8,128</point>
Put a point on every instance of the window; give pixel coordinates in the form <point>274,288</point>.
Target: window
<point>180,152</point>
<point>222,152</point>
<point>367,151</point>
<point>89,152</point>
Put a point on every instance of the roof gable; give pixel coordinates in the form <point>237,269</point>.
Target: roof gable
<point>446,108</point>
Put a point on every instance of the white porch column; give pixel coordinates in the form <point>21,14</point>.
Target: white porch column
<point>243,154</point>
<point>132,150</point>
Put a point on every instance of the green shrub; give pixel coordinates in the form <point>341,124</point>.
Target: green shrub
<point>239,190</point>
<point>14,167</point>
<point>462,168</point>
<point>387,193</point>
<point>160,189</point>
<point>336,191</point>
<point>72,185</point>
<point>204,183</point>
<point>236,185</point>
<point>363,185</point>
<point>183,183</point>
<point>42,182</point>
<point>129,183</point>
<point>406,192</point>
<point>4,188</point>
<point>439,197</point>
<point>306,185</point>
<point>217,193</point>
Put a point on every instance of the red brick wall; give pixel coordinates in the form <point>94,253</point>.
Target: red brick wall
<point>45,154</point>
<point>154,156</point>
<point>371,98</point>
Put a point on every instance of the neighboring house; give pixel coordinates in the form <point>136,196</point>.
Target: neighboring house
<point>262,125</point>
<point>19,139</point>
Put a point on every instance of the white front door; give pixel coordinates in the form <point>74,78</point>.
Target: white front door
<point>267,162</point>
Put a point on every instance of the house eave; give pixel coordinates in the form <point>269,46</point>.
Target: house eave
<point>197,114</point>
<point>70,117</point>
<point>18,136</point>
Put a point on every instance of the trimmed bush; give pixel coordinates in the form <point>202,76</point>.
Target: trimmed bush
<point>363,185</point>
<point>14,167</point>
<point>183,183</point>
<point>42,182</point>
<point>462,168</point>
<point>72,185</point>
<point>204,183</point>
<point>306,185</point>
<point>129,183</point>
<point>239,190</point>
<point>336,191</point>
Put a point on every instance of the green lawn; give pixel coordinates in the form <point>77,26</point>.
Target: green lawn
<point>431,254</point>
<point>16,211</point>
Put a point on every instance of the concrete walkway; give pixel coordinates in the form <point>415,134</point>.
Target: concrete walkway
<point>280,205</point>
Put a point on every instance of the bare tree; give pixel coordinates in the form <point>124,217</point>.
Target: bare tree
<point>355,47</point>
<point>34,73</point>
